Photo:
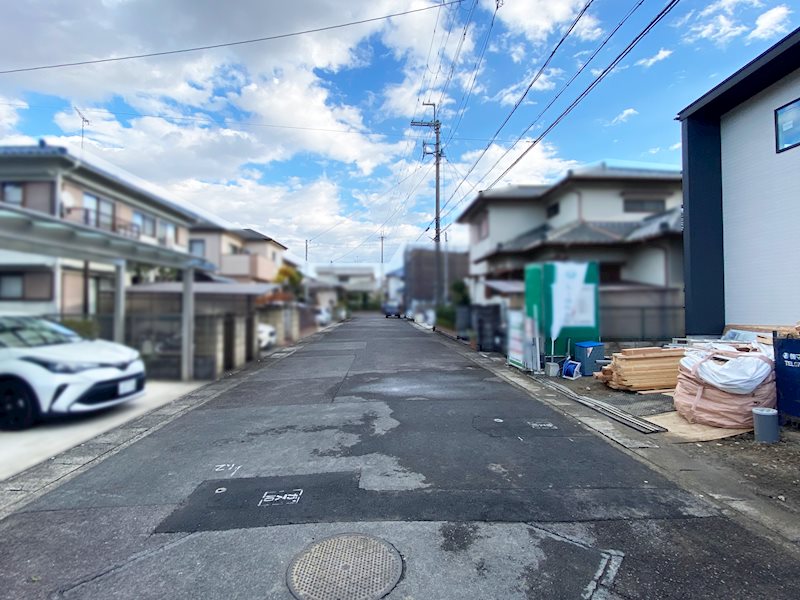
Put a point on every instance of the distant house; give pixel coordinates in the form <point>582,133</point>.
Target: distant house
<point>627,219</point>
<point>357,284</point>
<point>50,180</point>
<point>245,255</point>
<point>741,160</point>
<point>395,285</point>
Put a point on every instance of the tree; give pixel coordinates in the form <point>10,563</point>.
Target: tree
<point>459,293</point>
<point>291,279</point>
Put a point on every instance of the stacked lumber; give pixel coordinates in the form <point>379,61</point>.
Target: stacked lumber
<point>639,369</point>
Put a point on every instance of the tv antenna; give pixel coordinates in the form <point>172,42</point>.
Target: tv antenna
<point>84,123</point>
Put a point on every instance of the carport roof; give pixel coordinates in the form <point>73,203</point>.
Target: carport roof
<point>36,232</point>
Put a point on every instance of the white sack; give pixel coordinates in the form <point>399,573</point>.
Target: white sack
<point>730,371</point>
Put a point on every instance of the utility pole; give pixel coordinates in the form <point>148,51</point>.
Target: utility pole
<point>437,153</point>
<point>446,264</point>
<point>383,293</point>
<point>306,252</point>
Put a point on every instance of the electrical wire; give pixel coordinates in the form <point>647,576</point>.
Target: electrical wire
<point>525,93</point>
<point>621,56</point>
<point>399,206</point>
<point>560,92</point>
<point>225,44</point>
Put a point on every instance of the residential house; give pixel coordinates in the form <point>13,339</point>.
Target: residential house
<point>741,161</point>
<point>245,255</point>
<point>358,284</point>
<point>395,285</point>
<point>54,182</point>
<point>628,219</point>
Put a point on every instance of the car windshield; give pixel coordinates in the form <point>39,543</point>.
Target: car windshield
<point>28,332</point>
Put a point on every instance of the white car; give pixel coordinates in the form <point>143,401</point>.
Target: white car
<point>322,316</point>
<point>46,368</point>
<point>267,336</point>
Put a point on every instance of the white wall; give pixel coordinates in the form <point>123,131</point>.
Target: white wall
<point>567,212</point>
<point>14,307</point>
<point>507,220</point>
<point>647,264</point>
<point>760,212</point>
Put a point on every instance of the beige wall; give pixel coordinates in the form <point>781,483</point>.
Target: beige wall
<point>39,196</point>
<point>71,292</point>
<point>212,240</point>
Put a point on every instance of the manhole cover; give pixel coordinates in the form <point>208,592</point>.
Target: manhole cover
<point>351,566</point>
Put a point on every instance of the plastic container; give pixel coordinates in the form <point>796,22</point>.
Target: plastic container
<point>766,425</point>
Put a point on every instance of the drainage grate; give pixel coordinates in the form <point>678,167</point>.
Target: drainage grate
<point>350,566</point>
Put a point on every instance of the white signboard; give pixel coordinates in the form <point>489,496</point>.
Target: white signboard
<point>573,299</point>
<point>516,338</point>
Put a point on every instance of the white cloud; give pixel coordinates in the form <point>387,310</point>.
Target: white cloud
<point>662,54</point>
<point>676,146</point>
<point>727,6</point>
<point>655,150</point>
<point>623,116</point>
<point>510,95</point>
<point>588,28</point>
<point>9,113</point>
<point>771,24</point>
<point>541,165</point>
<point>720,29</point>
<point>537,19</point>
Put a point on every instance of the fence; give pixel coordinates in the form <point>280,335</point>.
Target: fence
<point>641,323</point>
<point>222,342</point>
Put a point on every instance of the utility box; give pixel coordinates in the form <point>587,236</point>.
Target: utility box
<point>561,299</point>
<point>787,375</point>
<point>588,353</point>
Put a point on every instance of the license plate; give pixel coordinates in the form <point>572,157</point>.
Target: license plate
<point>126,387</point>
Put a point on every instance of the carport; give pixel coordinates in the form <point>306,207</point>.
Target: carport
<point>36,232</point>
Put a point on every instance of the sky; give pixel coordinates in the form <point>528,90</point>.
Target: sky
<point>309,136</point>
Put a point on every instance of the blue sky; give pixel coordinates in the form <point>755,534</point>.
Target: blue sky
<point>309,137</point>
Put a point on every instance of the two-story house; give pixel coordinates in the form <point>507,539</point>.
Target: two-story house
<point>627,219</point>
<point>245,255</point>
<point>51,180</point>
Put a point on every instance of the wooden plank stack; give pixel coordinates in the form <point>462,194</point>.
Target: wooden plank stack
<point>637,369</point>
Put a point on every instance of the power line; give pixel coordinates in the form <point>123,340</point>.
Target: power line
<point>621,56</point>
<point>462,104</point>
<point>522,98</point>
<point>399,206</point>
<point>226,44</point>
<point>546,108</point>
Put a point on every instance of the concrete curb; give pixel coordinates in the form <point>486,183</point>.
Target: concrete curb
<point>25,487</point>
<point>717,485</point>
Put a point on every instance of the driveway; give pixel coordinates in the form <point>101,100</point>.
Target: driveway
<point>379,428</point>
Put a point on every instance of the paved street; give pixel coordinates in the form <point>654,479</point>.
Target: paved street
<point>379,427</point>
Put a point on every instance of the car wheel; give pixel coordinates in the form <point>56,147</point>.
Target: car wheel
<point>19,408</point>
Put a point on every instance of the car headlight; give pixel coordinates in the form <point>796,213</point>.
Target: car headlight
<point>58,366</point>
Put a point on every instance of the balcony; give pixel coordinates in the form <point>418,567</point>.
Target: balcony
<point>247,266</point>
<point>94,218</point>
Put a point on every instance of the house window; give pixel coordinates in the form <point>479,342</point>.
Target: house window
<point>483,226</point>
<point>197,248</point>
<point>145,223</point>
<point>167,232</point>
<point>553,209</point>
<point>638,205</point>
<point>105,214</point>
<point>234,249</point>
<point>787,126</point>
<point>12,193</point>
<point>90,203</point>
<point>11,286</point>
<point>274,256</point>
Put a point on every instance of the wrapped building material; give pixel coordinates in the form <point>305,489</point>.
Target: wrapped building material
<point>719,385</point>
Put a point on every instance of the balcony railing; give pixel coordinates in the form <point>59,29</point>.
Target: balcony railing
<point>94,218</point>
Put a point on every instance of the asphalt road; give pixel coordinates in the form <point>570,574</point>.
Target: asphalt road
<point>378,427</point>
